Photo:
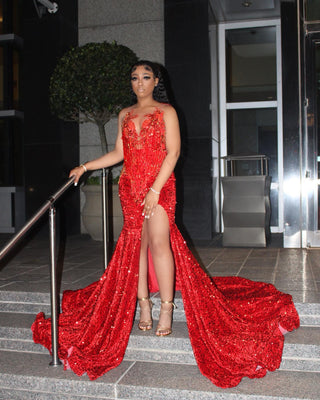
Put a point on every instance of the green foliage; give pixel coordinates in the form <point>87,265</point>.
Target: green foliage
<point>115,180</point>
<point>91,83</point>
<point>93,180</point>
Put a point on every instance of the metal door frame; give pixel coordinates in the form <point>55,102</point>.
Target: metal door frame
<point>310,142</point>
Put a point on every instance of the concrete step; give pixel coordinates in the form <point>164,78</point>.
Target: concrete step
<point>301,349</point>
<point>32,303</point>
<point>28,377</point>
<point>309,313</point>
<point>24,302</point>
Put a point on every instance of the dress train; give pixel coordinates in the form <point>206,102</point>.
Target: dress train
<point>234,324</point>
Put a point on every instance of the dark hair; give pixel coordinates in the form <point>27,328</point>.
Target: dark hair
<point>159,92</point>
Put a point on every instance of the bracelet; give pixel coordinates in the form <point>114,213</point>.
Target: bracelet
<point>154,191</point>
<point>84,167</point>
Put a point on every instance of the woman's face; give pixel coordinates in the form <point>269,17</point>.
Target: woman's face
<point>143,81</point>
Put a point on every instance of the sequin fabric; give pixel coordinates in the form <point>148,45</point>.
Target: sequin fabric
<point>234,324</point>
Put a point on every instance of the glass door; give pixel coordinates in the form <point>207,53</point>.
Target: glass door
<point>251,101</point>
<point>312,143</point>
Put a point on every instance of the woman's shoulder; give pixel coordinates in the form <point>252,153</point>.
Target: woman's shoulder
<point>167,109</point>
<point>124,112</point>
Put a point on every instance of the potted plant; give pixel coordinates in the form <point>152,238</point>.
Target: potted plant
<point>92,210</point>
<point>91,83</point>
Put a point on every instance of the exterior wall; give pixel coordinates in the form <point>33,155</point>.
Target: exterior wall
<point>50,144</point>
<point>137,24</point>
<point>187,54</point>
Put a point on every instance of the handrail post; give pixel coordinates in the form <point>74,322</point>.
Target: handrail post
<point>104,216</point>
<point>48,205</point>
<point>54,303</point>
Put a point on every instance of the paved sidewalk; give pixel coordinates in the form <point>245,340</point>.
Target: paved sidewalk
<point>80,262</point>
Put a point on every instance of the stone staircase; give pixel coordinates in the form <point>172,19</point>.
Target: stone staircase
<point>154,368</point>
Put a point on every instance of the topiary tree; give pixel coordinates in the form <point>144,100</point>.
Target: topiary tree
<point>91,84</point>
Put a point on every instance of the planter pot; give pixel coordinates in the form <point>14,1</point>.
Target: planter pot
<point>92,211</point>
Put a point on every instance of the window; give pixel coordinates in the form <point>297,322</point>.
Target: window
<point>312,10</point>
<point>10,16</point>
<point>11,145</point>
<point>10,152</point>
<point>16,80</point>
<point>251,132</point>
<point>1,17</point>
<point>251,64</point>
<point>1,79</point>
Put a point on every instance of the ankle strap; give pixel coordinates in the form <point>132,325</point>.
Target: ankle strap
<point>168,302</point>
<point>144,298</point>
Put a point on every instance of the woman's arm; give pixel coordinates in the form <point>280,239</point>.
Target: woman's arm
<point>173,151</point>
<point>107,160</point>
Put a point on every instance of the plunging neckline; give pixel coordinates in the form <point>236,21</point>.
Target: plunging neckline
<point>146,117</point>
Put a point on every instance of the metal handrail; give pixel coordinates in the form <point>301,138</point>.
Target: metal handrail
<point>45,207</point>
<point>49,205</point>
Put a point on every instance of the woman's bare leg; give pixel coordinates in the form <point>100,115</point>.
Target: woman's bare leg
<point>143,264</point>
<point>143,292</point>
<point>158,232</point>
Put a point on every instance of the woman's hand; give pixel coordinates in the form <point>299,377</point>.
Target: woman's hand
<point>77,172</point>
<point>150,202</point>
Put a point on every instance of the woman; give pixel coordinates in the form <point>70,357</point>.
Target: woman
<point>235,325</point>
<point>155,229</point>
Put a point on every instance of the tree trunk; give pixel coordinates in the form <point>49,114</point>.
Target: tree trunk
<point>104,147</point>
<point>103,139</point>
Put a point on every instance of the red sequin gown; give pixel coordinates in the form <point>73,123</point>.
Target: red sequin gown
<point>234,324</point>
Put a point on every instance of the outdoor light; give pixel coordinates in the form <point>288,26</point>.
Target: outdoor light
<point>246,3</point>
<point>51,7</point>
